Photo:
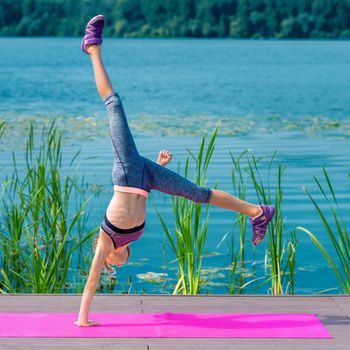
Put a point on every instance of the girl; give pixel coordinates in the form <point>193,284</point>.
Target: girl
<point>134,177</point>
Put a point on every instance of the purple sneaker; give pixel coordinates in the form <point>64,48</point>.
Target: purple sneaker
<point>93,32</point>
<point>260,223</point>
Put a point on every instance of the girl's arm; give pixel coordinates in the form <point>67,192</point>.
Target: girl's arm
<point>98,262</point>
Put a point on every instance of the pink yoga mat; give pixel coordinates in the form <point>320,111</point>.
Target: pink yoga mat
<point>163,325</point>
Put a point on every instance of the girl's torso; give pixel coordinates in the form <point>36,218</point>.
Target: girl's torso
<point>126,210</point>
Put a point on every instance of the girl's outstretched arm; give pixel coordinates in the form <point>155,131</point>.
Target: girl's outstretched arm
<point>102,251</point>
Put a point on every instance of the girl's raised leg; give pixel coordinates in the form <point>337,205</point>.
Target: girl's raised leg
<point>125,151</point>
<point>103,83</point>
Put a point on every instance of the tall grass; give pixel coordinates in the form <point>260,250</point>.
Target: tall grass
<point>191,224</point>
<point>187,242</point>
<point>2,128</point>
<point>337,231</point>
<point>280,253</point>
<point>281,247</point>
<point>237,270</point>
<point>40,227</point>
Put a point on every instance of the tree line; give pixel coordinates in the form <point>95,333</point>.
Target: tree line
<point>180,18</point>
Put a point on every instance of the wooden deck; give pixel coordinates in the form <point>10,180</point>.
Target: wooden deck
<point>333,311</point>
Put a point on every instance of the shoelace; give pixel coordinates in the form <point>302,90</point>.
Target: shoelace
<point>260,228</point>
<point>95,31</point>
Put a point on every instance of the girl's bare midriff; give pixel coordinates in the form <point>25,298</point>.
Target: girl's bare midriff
<point>126,210</point>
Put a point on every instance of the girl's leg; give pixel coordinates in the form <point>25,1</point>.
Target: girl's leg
<point>127,161</point>
<point>103,83</point>
<point>167,181</point>
<point>125,151</point>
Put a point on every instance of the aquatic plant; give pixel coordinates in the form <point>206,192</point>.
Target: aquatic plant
<point>280,252</point>
<point>336,229</point>
<point>237,271</point>
<point>2,127</point>
<point>188,242</point>
<point>41,218</point>
<point>191,224</point>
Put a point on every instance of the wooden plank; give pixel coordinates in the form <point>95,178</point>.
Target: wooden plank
<point>341,299</point>
<point>73,343</point>
<point>240,304</point>
<point>237,300</point>
<point>243,309</point>
<point>69,303</point>
<point>268,344</point>
<point>343,302</point>
<point>334,319</point>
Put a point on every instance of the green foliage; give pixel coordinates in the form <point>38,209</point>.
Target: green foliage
<point>41,219</point>
<point>281,245</point>
<point>337,230</point>
<point>188,239</point>
<point>238,272</point>
<point>279,261</point>
<point>180,18</point>
<point>191,224</point>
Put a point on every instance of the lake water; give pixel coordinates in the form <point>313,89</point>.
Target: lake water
<point>288,96</point>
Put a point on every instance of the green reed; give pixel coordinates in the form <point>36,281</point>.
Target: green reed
<point>280,255</point>
<point>337,232</point>
<point>280,252</point>
<point>39,226</point>
<point>237,271</point>
<point>191,224</point>
<point>2,128</point>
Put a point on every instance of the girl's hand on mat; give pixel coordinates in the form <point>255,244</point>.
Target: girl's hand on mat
<point>164,157</point>
<point>87,324</point>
